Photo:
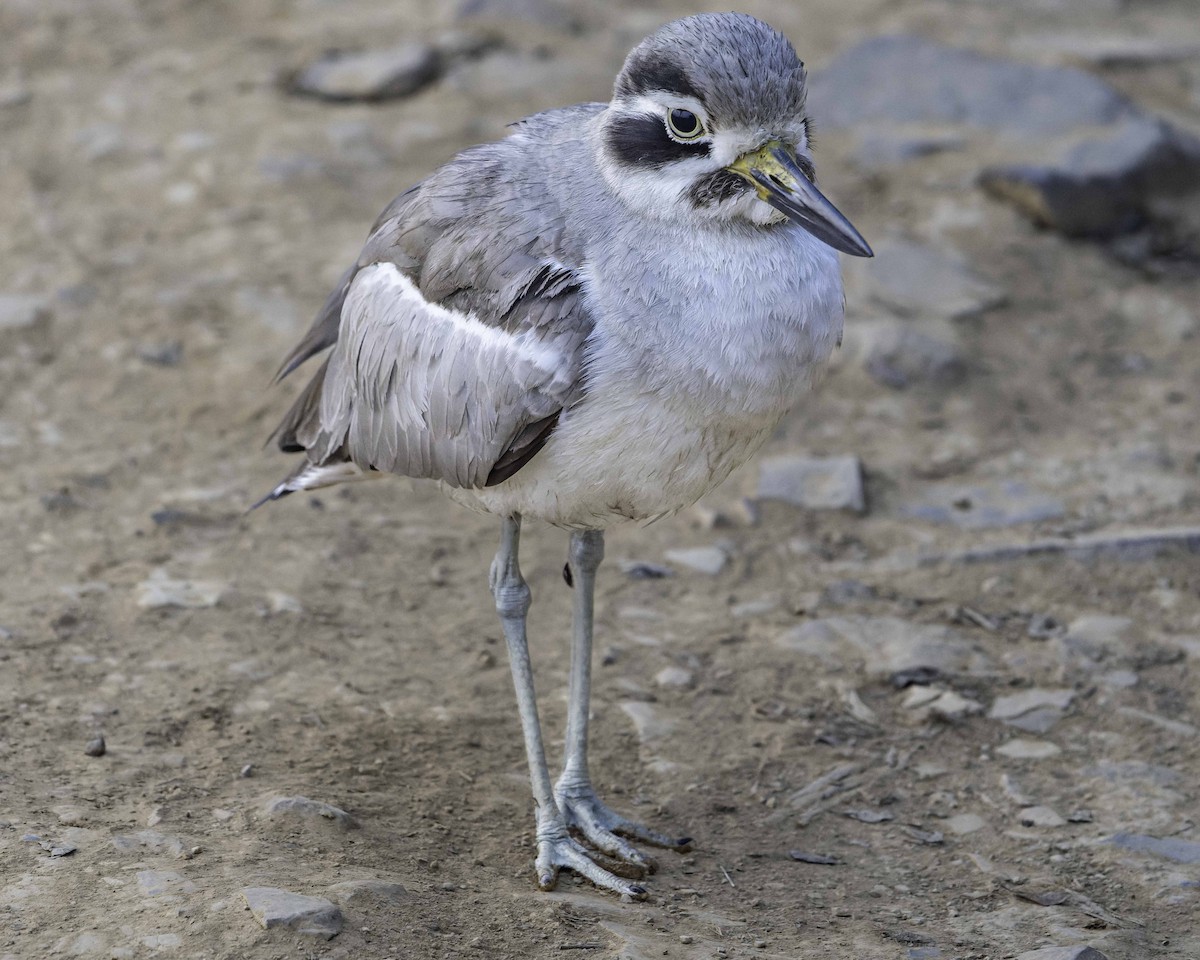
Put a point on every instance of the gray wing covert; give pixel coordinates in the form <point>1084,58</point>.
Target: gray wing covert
<point>458,336</point>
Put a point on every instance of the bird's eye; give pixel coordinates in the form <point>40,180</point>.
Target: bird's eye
<point>684,125</point>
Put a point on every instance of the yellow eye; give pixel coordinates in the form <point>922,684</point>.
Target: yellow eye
<point>684,125</point>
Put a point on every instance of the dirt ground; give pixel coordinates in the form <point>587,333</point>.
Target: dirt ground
<point>180,217</point>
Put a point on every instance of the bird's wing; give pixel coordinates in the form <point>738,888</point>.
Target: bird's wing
<point>458,335</point>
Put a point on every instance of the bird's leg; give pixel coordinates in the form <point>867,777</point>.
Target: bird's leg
<point>576,797</point>
<point>555,847</point>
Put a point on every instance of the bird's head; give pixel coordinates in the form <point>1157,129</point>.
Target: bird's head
<point>708,122</point>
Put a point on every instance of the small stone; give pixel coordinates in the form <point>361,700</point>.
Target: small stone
<point>370,76</point>
<point>975,507</point>
<point>814,483</point>
<point>674,678</point>
<point>96,747</point>
<point>247,771</point>
<point>1040,816</point>
<point>1172,848</point>
<point>644,570</point>
<point>62,849</point>
<point>1062,953</point>
<point>1119,679</point>
<point>273,907</point>
<point>303,807</point>
<point>1021,749</point>
<point>1034,711</point>
<point>706,560</point>
<point>280,602</point>
<point>156,883</point>
<point>871,816</point>
<point>952,705</point>
<point>350,891</point>
<point>686,938</point>
<point>964,823</point>
<point>22,311</point>
<point>166,353</point>
<point>160,591</point>
<point>148,840</point>
<point>647,721</point>
<point>817,858</point>
<point>915,280</point>
<point>898,354</point>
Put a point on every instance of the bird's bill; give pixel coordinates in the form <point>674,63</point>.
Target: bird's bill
<point>781,183</point>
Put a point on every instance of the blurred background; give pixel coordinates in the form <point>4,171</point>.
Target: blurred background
<point>960,585</point>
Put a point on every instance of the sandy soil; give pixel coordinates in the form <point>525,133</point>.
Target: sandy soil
<point>180,218</point>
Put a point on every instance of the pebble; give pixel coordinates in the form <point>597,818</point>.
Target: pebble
<point>148,840</point>
<point>160,590</point>
<point>981,506</point>
<point>952,705</point>
<point>313,916</point>
<point>892,80</point>
<point>674,678</point>
<point>1062,953</point>
<point>303,807</point>
<point>644,570</point>
<point>1022,749</point>
<point>649,723</point>
<point>1173,848</point>
<point>1035,711</point>
<point>156,883</point>
<point>1040,816</point>
<point>22,311</point>
<point>96,747</point>
<point>814,483</point>
<point>899,354</point>
<point>706,560</point>
<point>919,281</point>
<point>369,76</point>
<point>1119,679</point>
<point>964,823</point>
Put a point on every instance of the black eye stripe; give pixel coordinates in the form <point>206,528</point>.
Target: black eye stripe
<point>643,141</point>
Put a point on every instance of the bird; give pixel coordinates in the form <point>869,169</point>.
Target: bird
<point>592,320</point>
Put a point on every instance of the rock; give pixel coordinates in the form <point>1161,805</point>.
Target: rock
<point>1103,185</point>
<point>162,353</point>
<point>1173,848</point>
<point>1035,711</point>
<point>674,678</point>
<point>1040,816</point>
<point>351,891</point>
<point>550,14</point>
<point>96,747</point>
<point>22,311</point>
<point>145,840</point>
<point>881,149</point>
<point>1062,953</point>
<point>1174,319</point>
<point>1133,546</point>
<point>976,507</point>
<point>815,483</point>
<point>1177,727</point>
<point>369,76</point>
<point>964,823</point>
<point>279,908</point>
<point>899,355</point>
<point>707,560</point>
<point>951,705</point>
<point>304,808</point>
<point>1021,749</point>
<point>1119,679</point>
<point>647,721</point>
<point>159,591</point>
<point>1098,636</point>
<point>644,570</point>
<point>906,79</point>
<point>915,280</point>
<point>156,883</point>
<point>886,645</point>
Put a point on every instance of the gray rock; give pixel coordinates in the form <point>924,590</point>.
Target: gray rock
<point>145,840</point>
<point>815,483</point>
<point>1062,953</point>
<point>978,506</point>
<point>707,560</point>
<point>1104,185</point>
<point>160,590</point>
<point>304,808</point>
<point>1133,772</point>
<point>1173,848</point>
<point>96,747</point>
<point>22,311</point>
<point>1035,711</point>
<point>372,75</point>
<point>1132,546</point>
<point>886,645</point>
<point>964,823</point>
<point>906,79</point>
<point>156,883</point>
<point>649,723</point>
<point>1022,749</point>
<point>900,355</point>
<point>314,916</point>
<point>351,891</point>
<point>1040,816</point>
<point>550,14</point>
<point>915,280</point>
<point>884,148</point>
<point>674,678</point>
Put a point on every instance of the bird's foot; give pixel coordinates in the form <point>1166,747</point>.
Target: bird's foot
<point>606,829</point>
<point>561,851</point>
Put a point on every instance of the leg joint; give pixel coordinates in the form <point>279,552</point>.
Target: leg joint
<point>513,598</point>
<point>587,550</point>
